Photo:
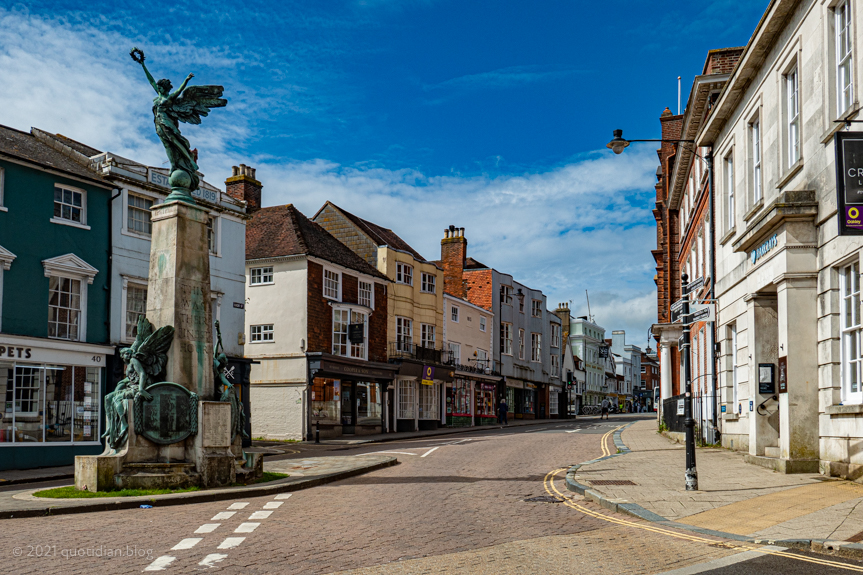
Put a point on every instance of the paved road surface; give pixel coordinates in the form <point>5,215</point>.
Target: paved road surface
<point>456,504</point>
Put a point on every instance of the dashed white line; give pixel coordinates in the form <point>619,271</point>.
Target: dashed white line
<point>237,505</point>
<point>573,431</point>
<point>223,515</point>
<point>246,527</point>
<point>213,558</point>
<point>230,542</point>
<point>160,563</point>
<point>207,528</point>
<point>429,451</point>
<point>260,514</point>
<point>283,495</point>
<point>273,505</point>
<point>187,543</point>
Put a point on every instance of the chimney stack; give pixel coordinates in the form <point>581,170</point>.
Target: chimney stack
<point>242,185</point>
<point>453,253</point>
<point>562,312</point>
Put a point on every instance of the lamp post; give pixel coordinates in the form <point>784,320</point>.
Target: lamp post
<point>617,145</point>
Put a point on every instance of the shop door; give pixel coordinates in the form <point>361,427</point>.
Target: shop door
<point>349,414</point>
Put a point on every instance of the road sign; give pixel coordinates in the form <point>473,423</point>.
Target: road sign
<point>680,342</point>
<point>678,305</point>
<point>675,316</point>
<point>694,285</point>
<point>699,312</point>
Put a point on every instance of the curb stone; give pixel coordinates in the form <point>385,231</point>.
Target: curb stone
<point>823,546</point>
<point>5,482</point>
<point>271,488</point>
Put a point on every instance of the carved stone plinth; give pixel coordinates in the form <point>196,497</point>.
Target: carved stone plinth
<point>179,293</point>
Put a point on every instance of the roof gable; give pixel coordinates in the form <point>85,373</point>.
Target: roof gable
<point>380,235</point>
<point>69,265</point>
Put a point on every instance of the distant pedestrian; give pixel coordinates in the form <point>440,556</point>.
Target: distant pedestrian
<point>504,408</point>
<point>605,405</point>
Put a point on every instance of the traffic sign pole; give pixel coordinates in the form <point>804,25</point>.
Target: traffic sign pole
<point>688,421</point>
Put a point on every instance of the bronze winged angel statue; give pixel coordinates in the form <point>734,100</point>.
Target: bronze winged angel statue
<point>145,363</point>
<point>185,104</point>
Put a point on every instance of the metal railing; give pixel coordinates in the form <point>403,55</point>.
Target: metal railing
<point>410,350</point>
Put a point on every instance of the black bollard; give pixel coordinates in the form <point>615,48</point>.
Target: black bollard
<point>317,432</point>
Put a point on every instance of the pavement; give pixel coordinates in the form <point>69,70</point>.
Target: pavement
<point>303,473</point>
<point>643,475</point>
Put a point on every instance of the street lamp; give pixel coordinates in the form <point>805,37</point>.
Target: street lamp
<point>618,144</point>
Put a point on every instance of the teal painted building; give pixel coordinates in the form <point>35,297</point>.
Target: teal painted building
<point>55,246</point>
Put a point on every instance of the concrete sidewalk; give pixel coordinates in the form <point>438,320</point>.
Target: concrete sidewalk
<point>304,473</point>
<point>647,479</point>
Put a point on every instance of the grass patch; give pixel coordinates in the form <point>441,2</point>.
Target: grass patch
<point>71,492</point>
<point>267,476</point>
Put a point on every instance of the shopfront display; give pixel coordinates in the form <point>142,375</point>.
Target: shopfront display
<point>459,399</point>
<point>325,398</point>
<point>486,408</point>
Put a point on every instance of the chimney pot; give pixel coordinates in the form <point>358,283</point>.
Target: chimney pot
<point>235,171</point>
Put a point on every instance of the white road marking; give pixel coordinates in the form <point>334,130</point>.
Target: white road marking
<point>273,505</point>
<point>237,505</point>
<point>246,527</point>
<point>187,543</point>
<point>231,542</point>
<point>573,431</point>
<point>429,451</point>
<point>283,495</point>
<point>160,563</point>
<point>260,514</point>
<point>213,558</point>
<point>207,528</point>
<point>223,515</point>
<point>376,452</point>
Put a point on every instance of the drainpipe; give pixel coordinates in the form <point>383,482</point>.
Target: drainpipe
<point>712,292</point>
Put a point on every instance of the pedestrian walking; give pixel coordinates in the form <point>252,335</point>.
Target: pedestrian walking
<point>504,408</point>
<point>605,406</point>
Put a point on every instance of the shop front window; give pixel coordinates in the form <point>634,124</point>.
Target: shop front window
<point>485,404</point>
<point>368,403</point>
<point>325,398</point>
<point>428,403</point>
<point>510,398</point>
<point>406,400</point>
<point>49,403</point>
<point>552,402</point>
<point>529,405</point>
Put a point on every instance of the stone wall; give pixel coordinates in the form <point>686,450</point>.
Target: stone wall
<point>277,411</point>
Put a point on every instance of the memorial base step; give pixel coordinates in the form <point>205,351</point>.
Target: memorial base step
<point>157,476</point>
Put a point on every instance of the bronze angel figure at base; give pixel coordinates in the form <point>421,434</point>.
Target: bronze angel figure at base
<point>145,364</point>
<point>185,104</point>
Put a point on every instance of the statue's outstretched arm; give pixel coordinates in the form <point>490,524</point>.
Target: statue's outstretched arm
<point>150,77</point>
<point>182,87</point>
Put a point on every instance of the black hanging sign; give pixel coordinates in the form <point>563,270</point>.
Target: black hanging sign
<point>355,332</point>
<point>849,182</point>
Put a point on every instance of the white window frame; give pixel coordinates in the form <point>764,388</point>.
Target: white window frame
<point>792,115</point>
<point>216,221</point>
<point>454,313</point>
<point>455,352</point>
<point>482,323</point>
<point>359,350</point>
<point>536,347</point>
<point>263,275</point>
<point>851,330</point>
<point>555,365</point>
<point>520,343</point>
<point>843,42</point>
<point>369,301</point>
<point>407,399</point>
<point>536,308</point>
<point>755,146</point>
<point>130,209</point>
<point>129,283</point>
<point>427,335</point>
<point>72,267</point>
<point>729,189</point>
<point>336,294</point>
<point>266,333</point>
<point>428,284</point>
<point>68,222</point>
<point>404,273</point>
<point>506,294</point>
<point>79,310</point>
<point>555,335</point>
<point>506,338</point>
<point>735,383</point>
<point>404,333</point>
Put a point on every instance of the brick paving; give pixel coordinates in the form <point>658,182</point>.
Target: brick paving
<point>733,495</point>
<point>459,507</point>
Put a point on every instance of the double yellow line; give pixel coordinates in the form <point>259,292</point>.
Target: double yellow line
<point>552,490</point>
<point>605,451</point>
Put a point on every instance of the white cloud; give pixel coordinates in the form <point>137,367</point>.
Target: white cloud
<point>582,225</point>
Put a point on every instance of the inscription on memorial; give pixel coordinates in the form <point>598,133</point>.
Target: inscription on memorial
<point>216,424</point>
<point>171,416</point>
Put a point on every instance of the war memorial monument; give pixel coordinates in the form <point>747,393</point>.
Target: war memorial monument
<point>174,421</point>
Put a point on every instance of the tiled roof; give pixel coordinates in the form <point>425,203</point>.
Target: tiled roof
<point>472,264</point>
<point>78,146</point>
<point>285,231</point>
<point>24,146</point>
<point>381,236</point>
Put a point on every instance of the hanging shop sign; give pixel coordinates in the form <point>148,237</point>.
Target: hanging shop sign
<point>356,332</point>
<point>762,250</point>
<point>428,375</point>
<point>849,182</point>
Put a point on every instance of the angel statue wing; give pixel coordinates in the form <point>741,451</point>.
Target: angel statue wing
<point>145,330</point>
<point>153,352</point>
<point>197,101</point>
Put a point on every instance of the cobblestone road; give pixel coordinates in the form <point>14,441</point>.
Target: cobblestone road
<point>454,505</point>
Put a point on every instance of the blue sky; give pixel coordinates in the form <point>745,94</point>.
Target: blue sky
<point>415,114</point>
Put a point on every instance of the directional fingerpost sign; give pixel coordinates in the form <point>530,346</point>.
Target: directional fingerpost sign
<point>676,308</point>
<point>694,285</point>
<point>699,312</point>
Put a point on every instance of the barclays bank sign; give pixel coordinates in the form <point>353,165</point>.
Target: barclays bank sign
<point>762,250</point>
